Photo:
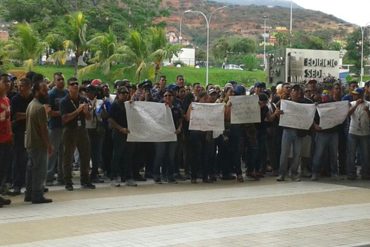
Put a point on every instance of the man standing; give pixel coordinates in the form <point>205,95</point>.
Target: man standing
<point>74,110</point>
<point>18,107</point>
<point>157,94</point>
<point>37,144</point>
<point>5,134</point>
<point>123,151</point>
<point>55,161</point>
<point>358,135</point>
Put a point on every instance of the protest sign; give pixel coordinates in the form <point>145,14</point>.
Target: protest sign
<point>332,114</point>
<point>149,122</point>
<point>207,117</point>
<point>297,115</point>
<point>245,109</point>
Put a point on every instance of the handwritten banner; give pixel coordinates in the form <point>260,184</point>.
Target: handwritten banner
<point>149,122</point>
<point>207,117</point>
<point>245,109</point>
<point>332,114</point>
<point>297,115</point>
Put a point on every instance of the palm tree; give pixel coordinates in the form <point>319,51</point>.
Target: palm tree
<point>160,49</point>
<point>76,32</point>
<point>25,46</point>
<point>106,50</point>
<point>136,51</point>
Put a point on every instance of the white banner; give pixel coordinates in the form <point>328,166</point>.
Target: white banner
<point>332,114</point>
<point>245,109</point>
<point>149,122</point>
<point>207,117</point>
<point>297,115</point>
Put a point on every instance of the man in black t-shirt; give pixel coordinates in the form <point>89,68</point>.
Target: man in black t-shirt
<point>18,110</point>
<point>74,111</point>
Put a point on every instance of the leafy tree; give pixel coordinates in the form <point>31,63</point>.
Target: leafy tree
<point>106,52</point>
<point>77,36</point>
<point>353,48</point>
<point>282,39</point>
<point>25,46</point>
<point>251,62</point>
<point>220,49</point>
<point>160,49</point>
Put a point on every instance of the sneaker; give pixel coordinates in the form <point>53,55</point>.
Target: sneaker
<point>116,182</point>
<point>314,177</point>
<point>172,181</point>
<point>42,200</point>
<point>280,178</point>
<point>139,178</point>
<point>228,177</point>
<point>240,179</point>
<point>69,187</point>
<point>193,180</point>
<point>207,181</point>
<point>296,178</point>
<point>157,181</point>
<point>15,192</point>
<point>49,183</point>
<point>352,177</point>
<point>4,201</point>
<point>88,186</point>
<point>97,180</point>
<point>131,182</point>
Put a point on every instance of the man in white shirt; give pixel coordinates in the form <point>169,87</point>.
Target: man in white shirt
<point>359,135</point>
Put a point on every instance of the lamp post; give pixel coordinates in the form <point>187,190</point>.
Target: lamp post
<point>362,54</point>
<point>363,28</point>
<point>208,20</point>
<point>291,18</point>
<point>264,43</point>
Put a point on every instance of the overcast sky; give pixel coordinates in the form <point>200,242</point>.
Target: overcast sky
<point>353,11</point>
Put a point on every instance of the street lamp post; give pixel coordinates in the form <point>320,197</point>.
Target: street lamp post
<point>208,20</point>
<point>363,28</point>
<point>264,43</point>
<point>362,54</point>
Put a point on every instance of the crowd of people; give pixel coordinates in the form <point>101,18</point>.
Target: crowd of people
<point>49,129</point>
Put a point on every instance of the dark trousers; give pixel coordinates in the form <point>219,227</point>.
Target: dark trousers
<point>36,173</point>
<point>19,160</point>
<point>96,145</point>
<point>107,151</point>
<point>5,161</point>
<point>72,139</point>
<point>123,154</point>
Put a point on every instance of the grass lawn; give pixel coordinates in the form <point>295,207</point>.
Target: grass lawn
<point>216,75</point>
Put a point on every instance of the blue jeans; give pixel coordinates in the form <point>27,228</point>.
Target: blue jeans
<point>360,143</point>
<point>36,172</point>
<point>325,142</point>
<point>165,158</point>
<point>56,158</point>
<point>290,138</point>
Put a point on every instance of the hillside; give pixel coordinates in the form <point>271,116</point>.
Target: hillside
<point>247,20</point>
<point>281,3</point>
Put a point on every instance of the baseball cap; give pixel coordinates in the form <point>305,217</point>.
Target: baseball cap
<point>358,90</point>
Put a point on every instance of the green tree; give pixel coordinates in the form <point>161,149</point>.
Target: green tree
<point>77,36</point>
<point>251,62</point>
<point>282,39</point>
<point>353,55</point>
<point>159,48</point>
<point>136,51</point>
<point>220,49</point>
<point>25,45</point>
